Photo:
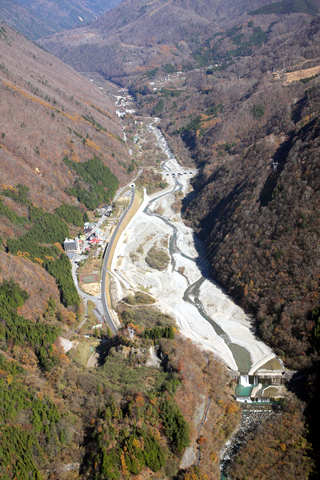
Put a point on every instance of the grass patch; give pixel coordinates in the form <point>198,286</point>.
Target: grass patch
<point>123,378</point>
<point>273,364</point>
<point>152,181</point>
<point>145,317</point>
<point>91,318</point>
<point>140,298</point>
<point>82,353</point>
<point>157,259</point>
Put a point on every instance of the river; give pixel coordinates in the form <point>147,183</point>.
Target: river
<point>218,324</point>
<point>203,312</point>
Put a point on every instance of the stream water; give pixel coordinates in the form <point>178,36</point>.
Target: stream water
<point>252,414</point>
<point>240,354</point>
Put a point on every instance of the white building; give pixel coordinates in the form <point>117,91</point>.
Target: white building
<point>71,245</point>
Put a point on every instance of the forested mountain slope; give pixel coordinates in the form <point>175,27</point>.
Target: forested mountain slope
<point>135,37</point>
<point>260,222</point>
<point>262,229</point>
<point>59,417</point>
<point>39,18</point>
<point>51,112</point>
<point>53,120</point>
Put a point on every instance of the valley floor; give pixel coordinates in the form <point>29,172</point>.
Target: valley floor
<point>180,288</point>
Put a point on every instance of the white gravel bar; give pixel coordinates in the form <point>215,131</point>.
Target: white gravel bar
<point>168,286</point>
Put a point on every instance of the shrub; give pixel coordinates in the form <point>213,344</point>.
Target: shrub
<point>258,111</point>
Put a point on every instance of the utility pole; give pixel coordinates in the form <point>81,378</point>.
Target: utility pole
<point>275,165</point>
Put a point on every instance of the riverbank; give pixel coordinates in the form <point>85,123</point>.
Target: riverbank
<point>235,327</point>
<point>207,316</point>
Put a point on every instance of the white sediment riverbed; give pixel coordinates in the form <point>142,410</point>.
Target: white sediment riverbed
<point>169,286</point>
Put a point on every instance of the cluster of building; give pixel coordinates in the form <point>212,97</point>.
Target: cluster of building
<point>96,237</point>
<point>93,235</point>
<point>123,101</point>
<point>83,243</point>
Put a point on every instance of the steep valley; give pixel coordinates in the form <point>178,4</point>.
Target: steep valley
<point>256,201</point>
<point>228,82</point>
<point>123,417</point>
<point>39,18</point>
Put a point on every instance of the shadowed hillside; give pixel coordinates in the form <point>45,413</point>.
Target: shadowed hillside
<point>38,18</point>
<point>169,32</point>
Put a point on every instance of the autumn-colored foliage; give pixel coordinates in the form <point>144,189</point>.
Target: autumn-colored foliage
<point>279,447</point>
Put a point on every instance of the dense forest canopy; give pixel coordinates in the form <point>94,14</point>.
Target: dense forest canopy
<point>42,244</point>
<point>101,183</point>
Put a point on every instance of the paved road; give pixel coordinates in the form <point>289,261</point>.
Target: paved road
<point>85,296</point>
<point>101,302</point>
<point>119,192</point>
<point>106,309</point>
